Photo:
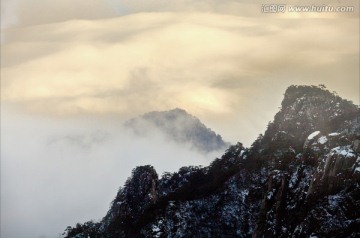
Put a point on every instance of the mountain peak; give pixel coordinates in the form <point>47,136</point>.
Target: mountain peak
<point>181,127</point>
<point>179,110</point>
<point>305,167</point>
<point>296,92</point>
<point>176,112</point>
<point>306,109</point>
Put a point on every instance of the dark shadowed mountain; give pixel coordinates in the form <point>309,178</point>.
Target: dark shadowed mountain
<point>300,179</point>
<point>179,126</point>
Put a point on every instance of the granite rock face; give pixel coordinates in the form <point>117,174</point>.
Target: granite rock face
<point>300,179</point>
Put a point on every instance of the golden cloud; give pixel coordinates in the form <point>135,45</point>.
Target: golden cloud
<point>209,64</point>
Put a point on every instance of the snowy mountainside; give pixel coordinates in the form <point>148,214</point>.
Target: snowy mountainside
<point>300,179</point>
<point>180,127</point>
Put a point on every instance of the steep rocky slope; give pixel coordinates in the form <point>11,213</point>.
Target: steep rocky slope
<point>179,126</point>
<point>300,179</point>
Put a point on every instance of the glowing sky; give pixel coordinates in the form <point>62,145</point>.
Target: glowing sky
<point>220,61</point>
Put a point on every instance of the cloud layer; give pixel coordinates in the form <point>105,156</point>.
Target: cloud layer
<point>55,173</point>
<point>72,71</point>
<point>30,12</point>
<point>214,66</point>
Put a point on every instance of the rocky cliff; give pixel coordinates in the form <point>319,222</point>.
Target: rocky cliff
<point>300,179</point>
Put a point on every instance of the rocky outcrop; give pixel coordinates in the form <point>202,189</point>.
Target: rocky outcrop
<point>356,146</point>
<point>137,195</point>
<point>301,179</point>
<point>338,170</point>
<point>306,109</point>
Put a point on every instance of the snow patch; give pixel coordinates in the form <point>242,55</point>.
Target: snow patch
<point>270,194</point>
<point>357,165</point>
<point>312,135</point>
<point>334,200</point>
<point>156,231</point>
<point>293,180</point>
<point>322,140</point>
<point>244,193</point>
<point>334,134</point>
<point>344,151</point>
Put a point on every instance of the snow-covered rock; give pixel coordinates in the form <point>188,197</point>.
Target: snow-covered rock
<point>301,179</point>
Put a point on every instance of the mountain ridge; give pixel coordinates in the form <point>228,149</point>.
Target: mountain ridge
<point>300,179</point>
<point>180,127</point>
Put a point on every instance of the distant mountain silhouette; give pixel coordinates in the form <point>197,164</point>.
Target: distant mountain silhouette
<point>179,126</point>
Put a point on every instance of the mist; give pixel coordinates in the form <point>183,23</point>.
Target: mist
<point>56,172</point>
<point>72,72</point>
